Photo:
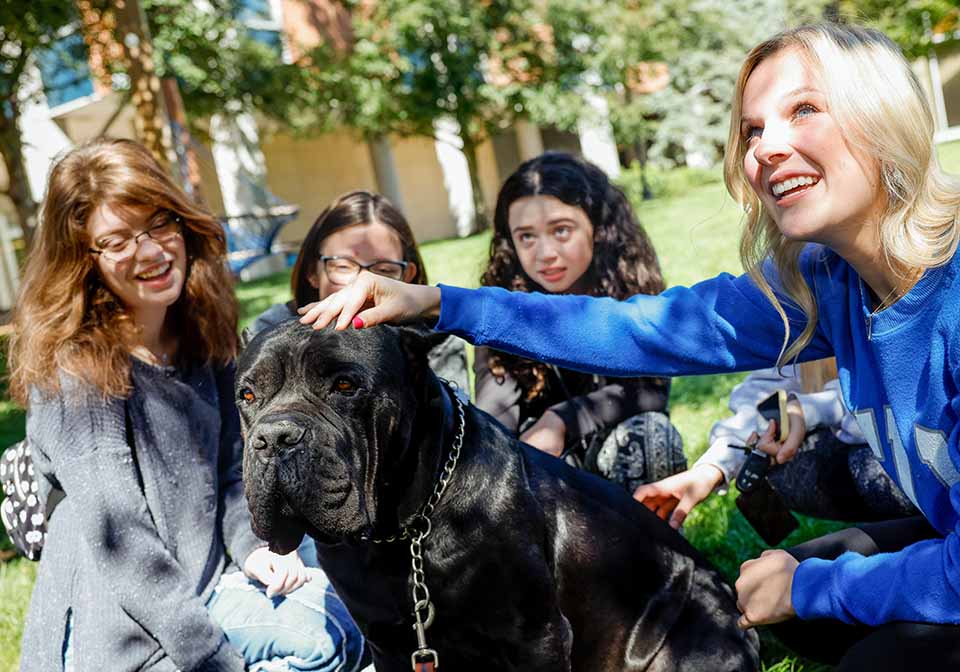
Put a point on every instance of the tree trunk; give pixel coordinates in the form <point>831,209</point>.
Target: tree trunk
<point>11,148</point>
<point>480,219</point>
<point>150,113</point>
<point>187,161</point>
<point>640,149</point>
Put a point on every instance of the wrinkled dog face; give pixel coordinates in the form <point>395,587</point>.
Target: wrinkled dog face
<point>322,417</point>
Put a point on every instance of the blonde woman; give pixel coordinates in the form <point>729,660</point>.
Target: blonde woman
<point>850,245</point>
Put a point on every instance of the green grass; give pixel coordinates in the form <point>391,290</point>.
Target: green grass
<point>695,232</point>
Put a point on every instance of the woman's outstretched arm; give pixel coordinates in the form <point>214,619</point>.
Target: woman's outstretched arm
<point>721,324</point>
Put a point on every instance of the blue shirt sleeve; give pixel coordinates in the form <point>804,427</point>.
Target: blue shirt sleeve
<point>719,325</point>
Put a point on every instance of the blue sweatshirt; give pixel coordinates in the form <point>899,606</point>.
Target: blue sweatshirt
<point>899,371</point>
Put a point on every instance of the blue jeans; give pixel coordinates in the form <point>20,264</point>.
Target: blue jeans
<point>309,629</point>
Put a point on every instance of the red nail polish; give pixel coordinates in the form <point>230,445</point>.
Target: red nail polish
<point>358,322</point>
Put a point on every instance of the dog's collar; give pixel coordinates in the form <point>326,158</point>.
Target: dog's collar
<point>454,426</point>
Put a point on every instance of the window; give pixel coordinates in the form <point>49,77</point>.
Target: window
<point>261,21</point>
<point>65,71</point>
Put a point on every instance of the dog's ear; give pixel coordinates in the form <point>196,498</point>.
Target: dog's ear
<point>417,339</point>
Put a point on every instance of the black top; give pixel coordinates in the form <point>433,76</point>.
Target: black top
<point>586,403</point>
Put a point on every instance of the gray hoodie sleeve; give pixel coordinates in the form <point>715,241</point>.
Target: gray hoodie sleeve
<point>83,437</point>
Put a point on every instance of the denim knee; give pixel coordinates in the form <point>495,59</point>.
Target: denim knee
<point>307,630</point>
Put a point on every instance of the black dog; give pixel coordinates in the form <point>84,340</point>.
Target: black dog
<point>530,564</point>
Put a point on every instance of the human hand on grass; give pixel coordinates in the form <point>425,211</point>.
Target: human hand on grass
<point>786,450</point>
<point>281,574</point>
<point>764,589</point>
<point>675,496</point>
<point>547,434</point>
<point>373,299</point>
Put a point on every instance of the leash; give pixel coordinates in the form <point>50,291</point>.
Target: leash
<point>425,659</point>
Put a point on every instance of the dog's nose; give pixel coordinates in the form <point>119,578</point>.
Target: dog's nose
<point>277,436</point>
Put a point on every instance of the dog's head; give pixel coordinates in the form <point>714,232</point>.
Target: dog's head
<point>333,426</point>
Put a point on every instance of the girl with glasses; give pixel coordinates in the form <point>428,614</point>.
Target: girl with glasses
<point>123,353</point>
<point>850,246</point>
<point>361,231</point>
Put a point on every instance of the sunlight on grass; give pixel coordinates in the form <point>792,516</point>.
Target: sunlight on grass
<point>16,583</point>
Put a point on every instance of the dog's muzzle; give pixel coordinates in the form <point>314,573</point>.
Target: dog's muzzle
<point>273,437</point>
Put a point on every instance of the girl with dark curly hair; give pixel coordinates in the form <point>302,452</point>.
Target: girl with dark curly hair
<point>561,227</point>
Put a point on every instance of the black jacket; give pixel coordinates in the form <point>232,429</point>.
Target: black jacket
<point>586,403</point>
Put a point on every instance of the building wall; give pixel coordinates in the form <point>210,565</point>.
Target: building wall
<point>948,55</point>
<point>311,172</point>
<point>425,200</point>
<point>490,175</point>
<point>506,153</point>
<point>308,22</point>
<point>209,182</point>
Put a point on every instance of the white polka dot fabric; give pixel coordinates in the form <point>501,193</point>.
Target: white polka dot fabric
<point>21,512</point>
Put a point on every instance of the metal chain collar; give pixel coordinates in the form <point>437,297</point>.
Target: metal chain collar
<point>419,529</point>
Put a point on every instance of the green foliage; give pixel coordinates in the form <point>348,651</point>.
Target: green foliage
<point>24,28</point>
<point>479,63</point>
<point>704,43</point>
<point>906,22</point>
<point>219,67</point>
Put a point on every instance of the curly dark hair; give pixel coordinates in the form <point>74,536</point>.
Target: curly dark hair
<point>624,262</point>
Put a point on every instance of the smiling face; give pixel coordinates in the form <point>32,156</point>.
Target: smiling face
<point>798,161</point>
<point>151,280</point>
<point>553,240</point>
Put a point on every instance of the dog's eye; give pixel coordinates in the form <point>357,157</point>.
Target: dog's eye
<point>247,395</point>
<point>344,386</point>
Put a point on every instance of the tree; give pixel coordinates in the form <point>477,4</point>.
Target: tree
<point>217,64</point>
<point>704,43</point>
<point>906,22</point>
<point>480,63</point>
<point>25,28</point>
<point>625,60</point>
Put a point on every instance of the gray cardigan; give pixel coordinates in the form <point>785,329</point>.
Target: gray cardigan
<point>154,502</point>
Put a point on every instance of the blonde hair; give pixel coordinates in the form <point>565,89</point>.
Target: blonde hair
<point>877,100</point>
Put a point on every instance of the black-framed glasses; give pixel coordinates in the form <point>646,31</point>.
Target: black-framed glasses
<point>118,247</point>
<point>342,270</point>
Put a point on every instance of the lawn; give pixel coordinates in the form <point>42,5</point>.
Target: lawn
<point>695,234</point>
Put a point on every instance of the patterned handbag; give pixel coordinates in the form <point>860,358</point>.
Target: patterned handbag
<point>23,514</point>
